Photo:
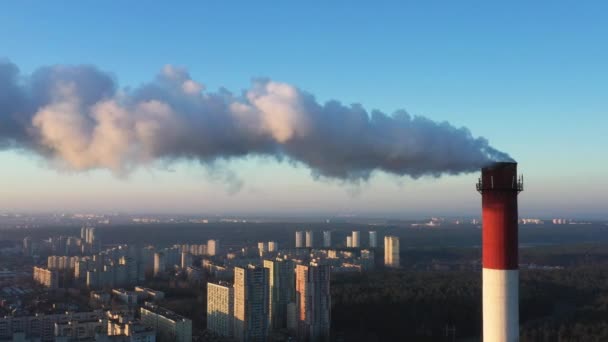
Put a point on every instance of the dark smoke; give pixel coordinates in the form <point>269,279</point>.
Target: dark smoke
<point>78,118</point>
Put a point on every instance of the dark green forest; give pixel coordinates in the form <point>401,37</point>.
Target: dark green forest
<point>567,304</point>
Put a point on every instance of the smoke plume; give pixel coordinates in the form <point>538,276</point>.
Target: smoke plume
<point>78,118</point>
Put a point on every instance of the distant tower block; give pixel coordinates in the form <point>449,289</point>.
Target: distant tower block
<point>213,247</point>
<point>186,260</point>
<point>349,241</point>
<point>327,239</point>
<point>356,239</point>
<point>373,239</point>
<point>159,264</point>
<point>299,239</point>
<point>309,239</point>
<point>499,187</point>
<point>262,248</point>
<point>391,251</point>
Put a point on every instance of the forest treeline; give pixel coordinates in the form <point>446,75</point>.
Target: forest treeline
<point>569,304</point>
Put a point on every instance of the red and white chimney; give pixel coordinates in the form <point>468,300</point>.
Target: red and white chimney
<point>499,187</point>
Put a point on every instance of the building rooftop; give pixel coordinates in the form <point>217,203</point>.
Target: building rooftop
<point>222,283</point>
<point>164,312</point>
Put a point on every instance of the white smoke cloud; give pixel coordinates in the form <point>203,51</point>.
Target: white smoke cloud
<point>76,117</point>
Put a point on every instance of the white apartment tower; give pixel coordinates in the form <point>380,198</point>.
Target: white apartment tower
<point>327,239</point>
<point>251,303</point>
<point>160,264</point>
<point>391,251</point>
<point>299,239</point>
<point>313,302</point>
<point>220,308</point>
<point>262,248</point>
<point>309,239</point>
<point>373,239</point>
<point>186,260</point>
<point>273,246</point>
<point>281,286</point>
<point>356,242</point>
<point>213,247</point>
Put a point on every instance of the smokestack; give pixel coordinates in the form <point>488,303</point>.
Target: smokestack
<point>499,187</point>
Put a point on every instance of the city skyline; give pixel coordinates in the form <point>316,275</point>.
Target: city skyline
<point>522,91</point>
<point>315,171</point>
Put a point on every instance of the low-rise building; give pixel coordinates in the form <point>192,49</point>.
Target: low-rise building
<point>169,326</point>
<point>75,330</point>
<point>149,294</point>
<point>127,297</point>
<point>41,326</point>
<point>125,328</point>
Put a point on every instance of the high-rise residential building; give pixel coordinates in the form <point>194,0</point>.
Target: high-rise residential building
<point>160,264</point>
<point>58,245</point>
<point>186,260</point>
<point>327,239</point>
<point>367,259</point>
<point>313,302</point>
<point>27,246</point>
<point>46,277</point>
<point>91,236</point>
<point>173,257</point>
<point>299,239</point>
<point>349,241</point>
<point>251,303</point>
<point>213,247</point>
<point>147,258</point>
<point>373,239</point>
<point>281,284</point>
<point>169,326</point>
<point>220,308</point>
<point>81,266</point>
<point>89,239</point>
<point>391,251</point>
<point>262,248</point>
<point>131,268</point>
<point>55,262</point>
<point>309,239</point>
<point>273,246</point>
<point>356,242</point>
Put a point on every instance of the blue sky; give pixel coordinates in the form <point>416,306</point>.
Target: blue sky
<point>530,77</point>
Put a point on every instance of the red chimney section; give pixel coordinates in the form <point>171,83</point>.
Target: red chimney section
<point>499,187</point>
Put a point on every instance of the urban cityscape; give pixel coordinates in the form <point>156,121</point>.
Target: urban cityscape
<point>319,171</point>
<point>255,293</point>
<point>215,285</point>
